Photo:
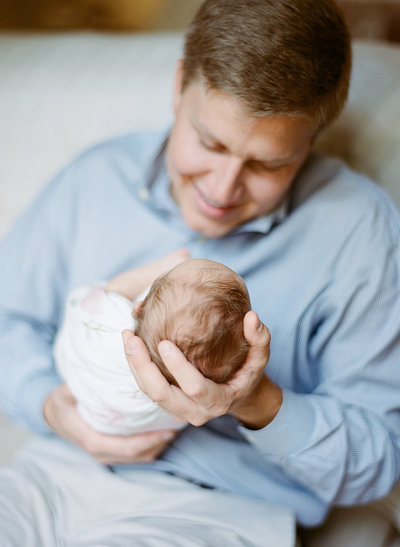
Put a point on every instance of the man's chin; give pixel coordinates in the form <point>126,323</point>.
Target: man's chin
<point>209,229</point>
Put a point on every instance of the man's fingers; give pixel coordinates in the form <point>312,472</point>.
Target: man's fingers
<point>255,332</point>
<point>146,373</point>
<point>150,380</point>
<point>258,336</point>
<point>187,409</point>
<point>62,415</point>
<point>141,447</point>
<point>196,401</point>
<point>190,380</point>
<point>135,351</point>
<point>67,393</point>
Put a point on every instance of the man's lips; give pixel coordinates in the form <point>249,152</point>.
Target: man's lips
<point>211,208</point>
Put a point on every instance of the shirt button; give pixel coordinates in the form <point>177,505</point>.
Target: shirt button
<point>250,437</point>
<point>144,193</point>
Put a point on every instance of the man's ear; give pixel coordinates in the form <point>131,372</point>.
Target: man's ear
<point>178,85</point>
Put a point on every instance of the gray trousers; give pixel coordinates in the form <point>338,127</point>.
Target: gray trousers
<point>57,495</point>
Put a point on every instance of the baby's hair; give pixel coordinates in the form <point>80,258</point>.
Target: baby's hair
<point>202,313</point>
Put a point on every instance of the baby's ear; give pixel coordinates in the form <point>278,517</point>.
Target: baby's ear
<point>137,310</point>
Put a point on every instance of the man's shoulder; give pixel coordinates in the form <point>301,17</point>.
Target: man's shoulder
<point>123,159</point>
<point>335,207</point>
<point>138,147</point>
<point>329,185</point>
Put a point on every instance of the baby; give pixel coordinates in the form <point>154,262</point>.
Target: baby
<point>197,304</point>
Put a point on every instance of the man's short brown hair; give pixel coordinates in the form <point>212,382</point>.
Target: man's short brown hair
<point>202,313</point>
<point>277,57</point>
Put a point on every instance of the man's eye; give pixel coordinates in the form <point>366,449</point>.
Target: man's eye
<point>261,167</point>
<point>213,147</point>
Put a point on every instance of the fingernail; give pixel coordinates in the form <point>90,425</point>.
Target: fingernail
<point>125,335</point>
<point>168,436</point>
<point>128,345</point>
<point>165,347</point>
<point>259,326</point>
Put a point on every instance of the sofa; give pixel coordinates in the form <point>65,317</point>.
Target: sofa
<point>62,93</point>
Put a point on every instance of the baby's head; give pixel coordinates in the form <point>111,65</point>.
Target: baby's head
<point>199,305</point>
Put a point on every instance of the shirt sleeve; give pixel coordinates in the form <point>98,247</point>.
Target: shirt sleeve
<point>34,258</point>
<point>341,439</point>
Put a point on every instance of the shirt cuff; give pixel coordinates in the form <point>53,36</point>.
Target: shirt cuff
<point>291,429</point>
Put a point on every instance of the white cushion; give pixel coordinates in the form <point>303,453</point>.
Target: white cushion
<point>61,93</point>
<point>367,135</point>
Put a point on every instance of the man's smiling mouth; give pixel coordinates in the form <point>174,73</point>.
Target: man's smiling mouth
<point>210,207</point>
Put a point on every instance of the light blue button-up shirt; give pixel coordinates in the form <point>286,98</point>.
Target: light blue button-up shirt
<point>323,274</point>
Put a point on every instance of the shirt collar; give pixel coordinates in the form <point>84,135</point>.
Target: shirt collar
<point>265,223</point>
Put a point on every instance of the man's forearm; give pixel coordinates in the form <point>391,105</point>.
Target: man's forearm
<point>303,440</point>
<point>26,371</point>
<point>133,282</point>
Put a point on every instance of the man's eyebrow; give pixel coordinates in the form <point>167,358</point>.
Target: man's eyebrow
<point>276,162</point>
<point>200,128</point>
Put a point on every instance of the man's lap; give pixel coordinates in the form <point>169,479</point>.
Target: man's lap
<point>55,494</point>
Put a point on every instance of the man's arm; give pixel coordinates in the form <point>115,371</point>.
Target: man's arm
<point>63,417</point>
<point>31,280</point>
<point>35,257</point>
<point>341,441</point>
<point>133,282</point>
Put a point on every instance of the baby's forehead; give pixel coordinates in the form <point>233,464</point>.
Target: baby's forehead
<point>198,267</point>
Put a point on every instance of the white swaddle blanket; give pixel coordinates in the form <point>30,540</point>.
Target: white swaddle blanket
<point>90,357</point>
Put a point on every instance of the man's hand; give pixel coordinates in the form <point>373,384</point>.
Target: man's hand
<point>250,395</point>
<point>62,415</point>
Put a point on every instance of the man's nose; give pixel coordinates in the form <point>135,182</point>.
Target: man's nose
<point>227,180</point>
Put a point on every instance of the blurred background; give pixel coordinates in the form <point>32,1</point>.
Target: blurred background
<point>374,19</point>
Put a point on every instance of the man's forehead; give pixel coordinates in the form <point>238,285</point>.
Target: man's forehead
<point>222,119</point>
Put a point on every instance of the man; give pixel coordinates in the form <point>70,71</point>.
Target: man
<point>317,245</point>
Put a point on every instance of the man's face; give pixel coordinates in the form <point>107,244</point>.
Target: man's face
<point>227,168</point>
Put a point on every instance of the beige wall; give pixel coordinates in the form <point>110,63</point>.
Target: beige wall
<point>97,14</point>
<point>376,19</point>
